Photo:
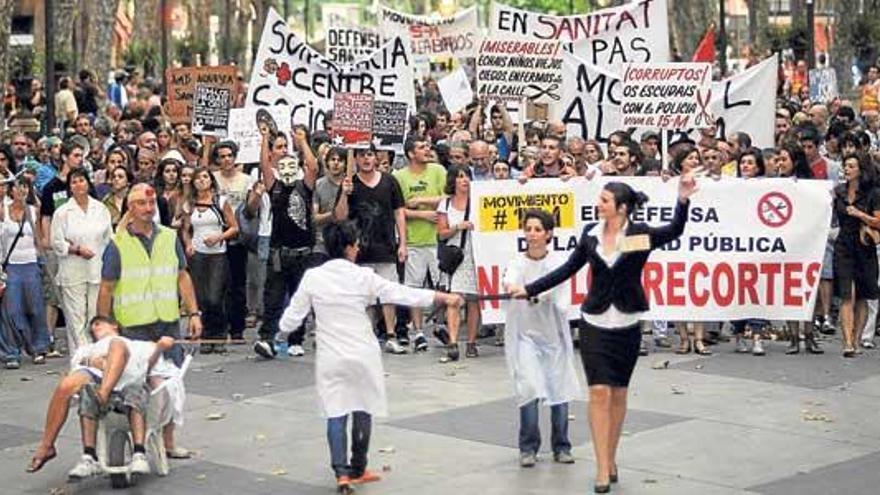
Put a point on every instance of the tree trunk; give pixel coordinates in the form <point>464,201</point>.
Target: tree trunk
<point>98,40</point>
<point>5,28</point>
<point>689,20</point>
<point>842,50</point>
<point>66,12</point>
<point>752,6</point>
<point>146,22</point>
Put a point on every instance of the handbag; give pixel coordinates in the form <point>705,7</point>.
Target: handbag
<point>450,256</point>
<point>869,236</point>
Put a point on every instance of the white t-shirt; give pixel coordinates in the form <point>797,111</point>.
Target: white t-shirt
<point>25,249</point>
<point>207,221</point>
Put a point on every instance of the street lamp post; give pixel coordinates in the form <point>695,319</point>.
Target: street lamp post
<point>49,26</point>
<point>722,37</point>
<point>163,24</point>
<point>811,35</point>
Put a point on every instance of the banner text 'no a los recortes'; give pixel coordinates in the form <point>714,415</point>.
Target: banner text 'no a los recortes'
<point>288,72</point>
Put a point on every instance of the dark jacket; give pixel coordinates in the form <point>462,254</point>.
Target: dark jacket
<point>620,284</point>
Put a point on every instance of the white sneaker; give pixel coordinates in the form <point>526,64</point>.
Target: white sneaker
<point>393,347</point>
<point>139,463</point>
<point>868,344</point>
<point>741,346</point>
<point>85,468</point>
<point>296,351</point>
<point>758,348</point>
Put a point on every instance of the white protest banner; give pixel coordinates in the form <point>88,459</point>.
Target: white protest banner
<point>211,110</point>
<point>511,69</point>
<point>636,32</point>
<point>456,90</point>
<point>592,99</point>
<point>247,125</point>
<point>288,72</point>
<point>823,85</point>
<point>345,45</point>
<point>750,248</point>
<point>433,36</point>
<point>667,96</point>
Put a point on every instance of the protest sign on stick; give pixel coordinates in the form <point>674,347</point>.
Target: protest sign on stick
<point>181,85</point>
<point>247,126</point>
<point>511,69</point>
<point>823,85</point>
<point>667,96</point>
<point>353,119</point>
<point>389,124</point>
<point>211,110</point>
<point>456,90</point>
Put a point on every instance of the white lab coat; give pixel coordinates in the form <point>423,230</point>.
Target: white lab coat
<point>349,374</point>
<point>537,339</point>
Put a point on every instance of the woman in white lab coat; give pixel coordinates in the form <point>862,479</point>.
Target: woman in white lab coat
<point>538,345</point>
<point>349,374</point>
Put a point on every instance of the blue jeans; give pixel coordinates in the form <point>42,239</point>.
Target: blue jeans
<point>337,437</point>
<point>24,313</point>
<point>530,434</point>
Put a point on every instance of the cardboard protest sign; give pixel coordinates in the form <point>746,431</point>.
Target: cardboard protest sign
<point>823,85</point>
<point>353,118</point>
<point>636,32</point>
<point>511,70</point>
<point>433,36</point>
<point>347,45</point>
<point>211,110</point>
<point>288,72</point>
<point>247,126</point>
<point>456,90</point>
<point>181,85</point>
<point>592,99</point>
<point>667,96</point>
<point>749,249</point>
<point>389,124</point>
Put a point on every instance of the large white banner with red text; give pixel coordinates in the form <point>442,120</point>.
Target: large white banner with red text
<point>751,248</point>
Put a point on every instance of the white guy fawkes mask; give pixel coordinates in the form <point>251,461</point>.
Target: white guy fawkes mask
<point>289,170</point>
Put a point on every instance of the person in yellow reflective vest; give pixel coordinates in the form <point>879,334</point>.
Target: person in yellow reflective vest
<point>143,278</point>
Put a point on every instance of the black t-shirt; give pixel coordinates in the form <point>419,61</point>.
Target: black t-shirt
<point>86,98</point>
<point>291,215</point>
<point>54,195</point>
<point>868,202</point>
<point>373,210</point>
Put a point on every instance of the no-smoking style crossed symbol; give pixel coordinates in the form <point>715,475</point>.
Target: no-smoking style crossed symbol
<point>705,116</point>
<point>538,91</point>
<point>774,209</point>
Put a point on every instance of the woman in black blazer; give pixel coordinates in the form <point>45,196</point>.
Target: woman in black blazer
<point>617,250</point>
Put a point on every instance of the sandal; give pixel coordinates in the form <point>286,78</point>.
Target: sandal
<point>701,349</point>
<point>684,348</point>
<point>178,453</point>
<point>37,463</point>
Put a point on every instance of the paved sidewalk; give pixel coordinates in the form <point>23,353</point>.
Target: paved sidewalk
<point>726,424</point>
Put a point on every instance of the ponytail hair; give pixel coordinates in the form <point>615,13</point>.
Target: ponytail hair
<point>626,195</point>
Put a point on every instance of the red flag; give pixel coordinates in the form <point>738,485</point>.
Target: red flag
<point>706,49</point>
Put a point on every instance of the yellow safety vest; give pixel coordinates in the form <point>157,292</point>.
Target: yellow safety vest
<point>146,291</point>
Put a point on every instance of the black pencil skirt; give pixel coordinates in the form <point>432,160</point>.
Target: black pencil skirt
<point>609,355</point>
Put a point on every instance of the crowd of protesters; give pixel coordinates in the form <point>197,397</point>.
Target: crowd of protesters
<point>250,231</point>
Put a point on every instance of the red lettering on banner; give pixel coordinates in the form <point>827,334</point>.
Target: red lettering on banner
<point>791,280</point>
<point>812,275</point>
<point>748,279</point>
<point>489,285</point>
<point>770,270</point>
<point>577,297</point>
<point>725,299</point>
<point>676,281</point>
<point>652,277</point>
<point>700,299</point>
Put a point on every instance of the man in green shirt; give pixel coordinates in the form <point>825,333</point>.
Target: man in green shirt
<point>421,183</point>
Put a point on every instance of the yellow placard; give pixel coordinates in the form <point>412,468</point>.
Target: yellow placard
<point>504,213</point>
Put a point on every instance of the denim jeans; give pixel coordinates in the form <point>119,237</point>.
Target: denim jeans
<point>530,434</point>
<point>337,437</point>
<point>236,301</point>
<point>24,313</point>
<point>283,274</point>
<point>209,274</point>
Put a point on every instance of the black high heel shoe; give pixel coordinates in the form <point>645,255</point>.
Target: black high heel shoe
<point>613,478</point>
<point>602,488</point>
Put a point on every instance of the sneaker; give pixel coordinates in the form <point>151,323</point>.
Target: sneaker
<point>868,344</point>
<point>563,458</point>
<point>220,349</point>
<point>139,463</point>
<point>471,350</point>
<point>393,347</point>
<point>296,351</point>
<point>85,468</point>
<point>40,359</point>
<point>264,349</point>
<point>206,349</point>
<point>742,347</point>
<point>827,328</point>
<point>421,343</point>
<point>527,460</point>
<point>13,364</point>
<point>663,342</point>
<point>452,352</point>
<point>442,335</point>
<point>758,348</point>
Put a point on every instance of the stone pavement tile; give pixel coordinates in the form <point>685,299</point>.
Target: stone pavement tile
<point>731,455</point>
<point>497,423</point>
<point>13,436</point>
<point>14,460</point>
<point>775,407</point>
<point>868,387</point>
<point>418,459</point>
<point>248,376</point>
<point>802,370</point>
<point>856,476</point>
